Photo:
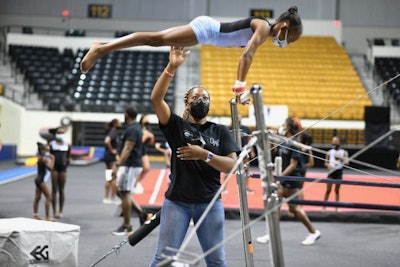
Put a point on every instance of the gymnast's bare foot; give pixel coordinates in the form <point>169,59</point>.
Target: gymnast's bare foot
<point>91,57</point>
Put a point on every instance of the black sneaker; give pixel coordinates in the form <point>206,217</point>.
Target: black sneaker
<point>123,230</point>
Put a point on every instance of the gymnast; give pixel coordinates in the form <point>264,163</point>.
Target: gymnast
<point>249,33</point>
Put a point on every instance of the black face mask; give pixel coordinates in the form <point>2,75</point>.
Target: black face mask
<point>199,108</point>
<point>335,146</point>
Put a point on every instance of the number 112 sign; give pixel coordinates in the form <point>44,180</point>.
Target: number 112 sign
<point>99,11</point>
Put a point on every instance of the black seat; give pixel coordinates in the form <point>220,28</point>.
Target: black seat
<point>27,30</point>
<point>379,41</point>
<point>75,32</point>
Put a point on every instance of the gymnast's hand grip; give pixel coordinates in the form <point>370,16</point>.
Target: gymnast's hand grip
<point>145,229</point>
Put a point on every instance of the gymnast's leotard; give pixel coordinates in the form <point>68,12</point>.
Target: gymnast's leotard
<point>223,34</point>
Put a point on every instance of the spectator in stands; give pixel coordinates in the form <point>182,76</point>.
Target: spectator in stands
<point>110,157</point>
<point>291,166</point>
<point>335,159</point>
<point>201,150</point>
<point>61,150</point>
<point>148,142</point>
<point>249,33</point>
<point>127,169</point>
<point>45,165</point>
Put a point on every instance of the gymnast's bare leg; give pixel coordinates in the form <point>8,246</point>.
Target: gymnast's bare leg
<point>181,36</point>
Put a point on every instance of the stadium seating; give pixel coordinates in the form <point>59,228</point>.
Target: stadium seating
<point>313,76</point>
<point>353,137</point>
<point>118,80</point>
<point>43,69</point>
<point>385,69</point>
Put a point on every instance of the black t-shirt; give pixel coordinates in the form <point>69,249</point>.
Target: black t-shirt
<point>114,141</point>
<point>244,134</point>
<point>133,133</point>
<point>194,180</point>
<point>113,135</point>
<point>304,161</point>
<point>289,151</point>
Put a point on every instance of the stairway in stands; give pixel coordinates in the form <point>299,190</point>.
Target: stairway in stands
<point>376,94</point>
<point>14,87</point>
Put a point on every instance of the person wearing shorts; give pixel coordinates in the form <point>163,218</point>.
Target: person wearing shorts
<point>292,166</point>
<point>335,160</point>
<point>127,169</point>
<point>110,157</point>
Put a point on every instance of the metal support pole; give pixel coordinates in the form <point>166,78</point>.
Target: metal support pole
<point>270,195</point>
<point>241,178</point>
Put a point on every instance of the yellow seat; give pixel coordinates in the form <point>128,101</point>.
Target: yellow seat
<point>315,72</point>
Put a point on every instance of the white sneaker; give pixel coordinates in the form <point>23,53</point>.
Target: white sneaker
<point>116,201</point>
<point>107,201</point>
<point>311,238</point>
<point>263,239</point>
<point>138,189</point>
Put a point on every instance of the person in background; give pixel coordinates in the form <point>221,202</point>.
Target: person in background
<point>335,159</point>
<point>61,150</point>
<point>166,151</point>
<point>110,157</point>
<point>249,33</point>
<point>201,150</point>
<point>45,165</point>
<point>147,141</point>
<point>306,156</point>
<point>292,166</point>
<point>127,169</point>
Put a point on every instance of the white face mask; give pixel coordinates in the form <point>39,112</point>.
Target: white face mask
<point>60,137</point>
<point>282,131</point>
<point>278,42</point>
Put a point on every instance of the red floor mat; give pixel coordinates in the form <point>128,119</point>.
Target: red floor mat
<point>156,183</point>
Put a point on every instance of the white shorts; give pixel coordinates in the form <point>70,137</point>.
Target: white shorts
<point>212,32</point>
<point>205,28</point>
<point>126,177</point>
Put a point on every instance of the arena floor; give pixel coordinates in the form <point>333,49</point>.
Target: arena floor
<point>344,242</point>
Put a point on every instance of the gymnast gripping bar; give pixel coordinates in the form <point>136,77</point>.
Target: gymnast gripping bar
<point>344,205</point>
